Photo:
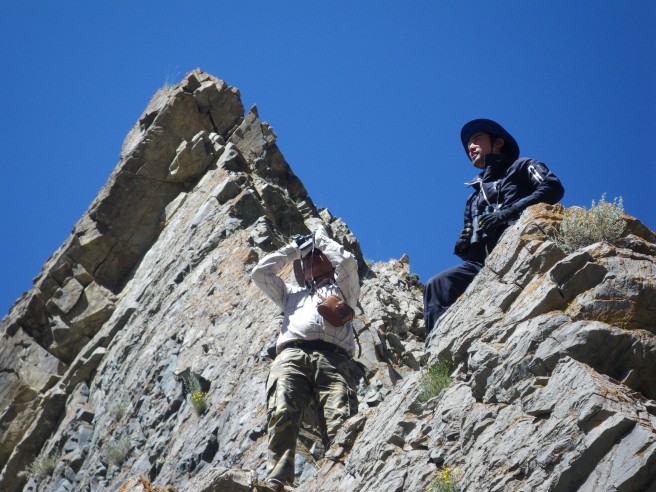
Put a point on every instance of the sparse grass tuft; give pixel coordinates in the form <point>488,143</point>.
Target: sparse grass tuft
<point>42,466</point>
<point>170,78</point>
<point>117,452</point>
<point>434,380</point>
<point>581,227</point>
<point>118,409</point>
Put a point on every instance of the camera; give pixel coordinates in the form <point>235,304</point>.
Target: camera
<point>304,242</point>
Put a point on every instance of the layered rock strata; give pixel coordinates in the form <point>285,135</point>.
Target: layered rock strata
<point>553,389</point>
<point>153,287</point>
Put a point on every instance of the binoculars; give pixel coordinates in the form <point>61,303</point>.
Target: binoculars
<point>479,235</point>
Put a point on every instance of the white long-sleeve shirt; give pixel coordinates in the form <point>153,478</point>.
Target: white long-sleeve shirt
<point>301,320</point>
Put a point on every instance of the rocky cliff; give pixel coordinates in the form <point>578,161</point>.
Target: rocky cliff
<point>149,303</point>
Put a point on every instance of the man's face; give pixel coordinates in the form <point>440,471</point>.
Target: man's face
<point>316,265</point>
<point>480,144</point>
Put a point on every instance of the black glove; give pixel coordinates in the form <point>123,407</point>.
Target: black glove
<point>462,244</point>
<point>494,219</point>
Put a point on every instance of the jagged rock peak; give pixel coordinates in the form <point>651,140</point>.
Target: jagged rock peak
<point>152,287</point>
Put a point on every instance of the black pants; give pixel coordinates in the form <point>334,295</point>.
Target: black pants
<point>443,289</point>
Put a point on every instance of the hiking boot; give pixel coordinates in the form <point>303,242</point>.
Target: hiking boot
<point>276,485</point>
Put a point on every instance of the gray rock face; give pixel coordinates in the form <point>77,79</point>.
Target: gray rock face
<point>553,387</point>
<point>151,294</point>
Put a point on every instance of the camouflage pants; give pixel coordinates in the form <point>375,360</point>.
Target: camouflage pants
<point>296,377</point>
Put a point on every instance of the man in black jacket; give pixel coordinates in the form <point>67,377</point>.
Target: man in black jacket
<point>505,187</point>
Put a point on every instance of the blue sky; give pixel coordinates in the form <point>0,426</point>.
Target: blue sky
<point>376,91</point>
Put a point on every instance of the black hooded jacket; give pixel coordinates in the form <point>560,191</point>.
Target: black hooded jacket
<point>502,185</point>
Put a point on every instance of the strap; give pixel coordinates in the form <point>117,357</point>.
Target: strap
<point>314,345</point>
<point>487,200</point>
<point>357,337</point>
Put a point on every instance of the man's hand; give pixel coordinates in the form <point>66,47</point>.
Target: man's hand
<point>463,240</point>
<point>301,238</point>
<point>305,244</point>
<point>495,219</point>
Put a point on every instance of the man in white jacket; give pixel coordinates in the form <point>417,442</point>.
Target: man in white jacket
<point>314,356</point>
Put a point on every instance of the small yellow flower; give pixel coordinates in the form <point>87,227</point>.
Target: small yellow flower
<point>198,396</point>
<point>199,401</point>
<point>446,480</point>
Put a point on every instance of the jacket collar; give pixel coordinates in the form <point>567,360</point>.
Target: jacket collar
<point>495,166</point>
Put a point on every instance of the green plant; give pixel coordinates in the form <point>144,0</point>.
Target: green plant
<point>446,481</point>
<point>197,396</point>
<point>117,452</point>
<point>413,279</point>
<point>43,465</point>
<point>434,380</point>
<point>199,402</point>
<point>581,227</point>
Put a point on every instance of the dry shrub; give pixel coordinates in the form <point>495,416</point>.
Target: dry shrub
<point>581,227</point>
<point>43,466</point>
<point>117,452</point>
